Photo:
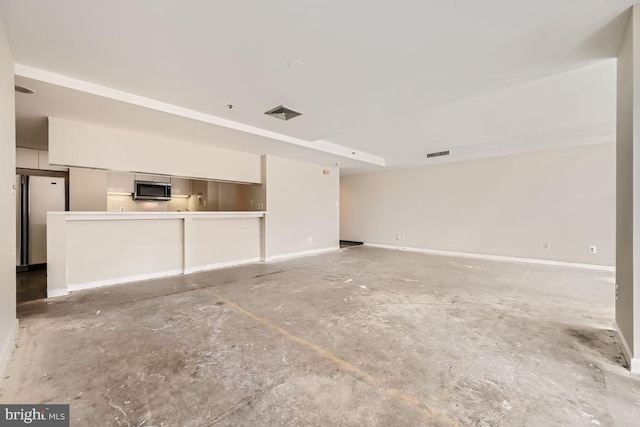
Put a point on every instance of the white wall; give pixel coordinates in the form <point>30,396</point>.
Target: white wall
<point>85,145</point>
<point>102,250</point>
<point>257,193</point>
<point>500,206</point>
<point>216,242</point>
<point>628,197</point>
<point>8,322</point>
<point>90,249</point>
<point>302,203</point>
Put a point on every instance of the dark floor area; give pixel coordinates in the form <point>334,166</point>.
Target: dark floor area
<point>31,286</point>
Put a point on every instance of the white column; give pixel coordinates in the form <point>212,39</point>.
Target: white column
<point>628,192</point>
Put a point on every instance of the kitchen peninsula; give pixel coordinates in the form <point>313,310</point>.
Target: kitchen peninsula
<point>92,249</point>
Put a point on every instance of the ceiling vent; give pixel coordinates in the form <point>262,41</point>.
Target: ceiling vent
<point>283,113</point>
<point>437,154</point>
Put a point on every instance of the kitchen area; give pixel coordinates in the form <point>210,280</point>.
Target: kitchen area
<point>79,228</point>
<point>187,194</point>
<point>141,205</point>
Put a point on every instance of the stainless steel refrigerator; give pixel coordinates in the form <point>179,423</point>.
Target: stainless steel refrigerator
<point>35,196</point>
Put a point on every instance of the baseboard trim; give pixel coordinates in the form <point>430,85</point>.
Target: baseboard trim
<point>634,363</point>
<point>282,257</point>
<point>494,257</point>
<point>121,280</point>
<point>7,346</point>
<point>54,293</point>
<point>218,265</point>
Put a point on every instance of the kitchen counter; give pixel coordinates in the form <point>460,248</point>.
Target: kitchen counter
<point>92,249</point>
<point>100,216</point>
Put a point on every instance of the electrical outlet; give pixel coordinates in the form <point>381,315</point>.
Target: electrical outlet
<point>402,237</point>
<point>310,239</point>
<point>593,249</point>
<point>398,236</point>
<point>545,246</point>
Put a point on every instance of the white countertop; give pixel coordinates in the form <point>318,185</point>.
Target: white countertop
<point>101,216</point>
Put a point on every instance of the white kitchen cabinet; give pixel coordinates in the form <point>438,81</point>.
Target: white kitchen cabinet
<point>152,178</point>
<point>28,158</point>
<point>43,162</point>
<point>180,187</point>
<point>162,178</point>
<point>143,177</point>
<point>119,182</point>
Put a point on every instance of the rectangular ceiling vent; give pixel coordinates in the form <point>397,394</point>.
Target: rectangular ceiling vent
<point>283,113</point>
<point>437,154</point>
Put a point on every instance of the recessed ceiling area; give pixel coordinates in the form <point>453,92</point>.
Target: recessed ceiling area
<point>389,82</point>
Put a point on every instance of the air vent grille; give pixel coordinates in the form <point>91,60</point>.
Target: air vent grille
<point>437,154</point>
<point>283,113</point>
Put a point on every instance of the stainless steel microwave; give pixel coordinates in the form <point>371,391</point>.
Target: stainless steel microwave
<point>147,190</point>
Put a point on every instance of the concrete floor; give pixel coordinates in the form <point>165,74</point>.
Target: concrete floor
<point>356,337</point>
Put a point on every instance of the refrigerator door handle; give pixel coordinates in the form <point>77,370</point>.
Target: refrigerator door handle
<point>24,223</point>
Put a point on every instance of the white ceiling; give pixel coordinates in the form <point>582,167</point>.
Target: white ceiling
<point>32,110</point>
<point>387,81</point>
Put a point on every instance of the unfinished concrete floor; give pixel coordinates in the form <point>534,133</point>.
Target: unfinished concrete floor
<point>356,337</point>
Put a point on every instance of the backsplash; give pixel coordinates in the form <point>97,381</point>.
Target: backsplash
<point>117,203</point>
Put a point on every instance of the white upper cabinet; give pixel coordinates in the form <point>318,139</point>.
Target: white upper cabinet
<point>143,177</point>
<point>162,178</point>
<point>28,158</point>
<point>43,162</point>
<point>119,182</point>
<point>180,187</point>
<point>151,178</point>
